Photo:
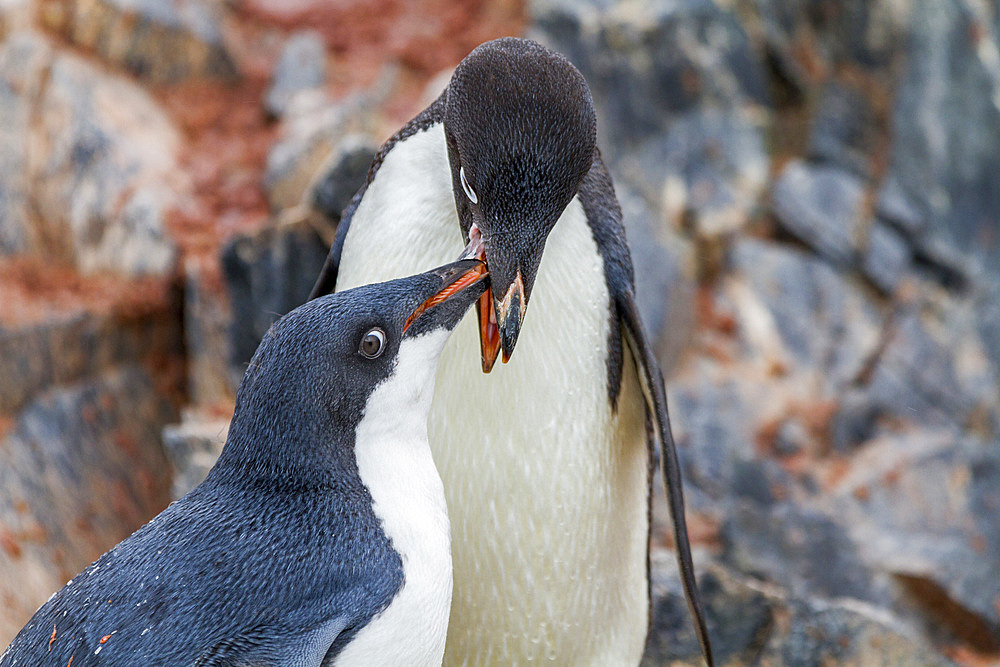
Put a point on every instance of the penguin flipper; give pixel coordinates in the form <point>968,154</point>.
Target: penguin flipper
<point>269,645</point>
<point>655,394</point>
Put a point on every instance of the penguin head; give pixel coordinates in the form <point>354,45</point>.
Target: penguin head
<point>307,385</point>
<point>521,131</point>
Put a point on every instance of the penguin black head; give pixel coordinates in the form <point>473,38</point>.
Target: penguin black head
<point>316,367</point>
<point>521,132</point>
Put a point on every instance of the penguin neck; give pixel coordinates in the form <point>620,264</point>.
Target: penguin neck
<point>284,444</point>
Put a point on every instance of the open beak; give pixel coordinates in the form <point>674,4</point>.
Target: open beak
<point>456,277</point>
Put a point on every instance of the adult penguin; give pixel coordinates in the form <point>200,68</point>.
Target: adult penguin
<point>321,534</point>
<point>546,464</point>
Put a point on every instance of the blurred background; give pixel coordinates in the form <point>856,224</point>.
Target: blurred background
<point>812,198</point>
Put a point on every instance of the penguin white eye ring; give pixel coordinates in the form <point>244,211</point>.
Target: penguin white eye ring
<point>469,192</point>
<point>372,343</point>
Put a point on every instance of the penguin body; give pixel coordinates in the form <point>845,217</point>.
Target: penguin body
<point>547,461</point>
<point>321,535</point>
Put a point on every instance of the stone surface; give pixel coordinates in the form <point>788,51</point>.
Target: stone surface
<point>707,171</point>
<point>302,67</point>
<point>340,178</point>
<point>647,62</point>
<point>946,125</point>
<point>90,166</point>
<point>886,257</point>
<point>315,134</point>
<point>267,274</point>
<point>207,324</point>
<point>24,60</point>
<point>83,468</point>
<point>843,132</point>
<point>821,206</point>
<point>795,308</point>
<point>108,175</point>
<point>161,41</point>
<point>923,507</point>
<point>192,448</point>
<point>665,268</point>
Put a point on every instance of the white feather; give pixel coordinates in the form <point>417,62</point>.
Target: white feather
<point>394,462</point>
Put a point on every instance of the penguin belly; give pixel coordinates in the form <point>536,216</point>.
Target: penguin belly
<point>546,484</point>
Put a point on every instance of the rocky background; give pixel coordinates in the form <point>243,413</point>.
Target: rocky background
<point>812,197</point>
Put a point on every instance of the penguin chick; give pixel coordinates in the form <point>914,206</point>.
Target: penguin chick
<point>321,534</point>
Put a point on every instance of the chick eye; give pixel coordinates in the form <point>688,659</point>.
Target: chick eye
<point>372,344</point>
<point>469,192</point>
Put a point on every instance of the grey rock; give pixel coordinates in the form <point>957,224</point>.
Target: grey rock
<point>923,508</point>
<point>207,326</point>
<point>267,274</point>
<point>934,369</point>
<point>192,448</point>
<point>946,126</point>
<point>799,548</point>
<point>648,61</point>
<point>820,206</point>
<point>342,176</point>
<point>90,164</point>
<point>71,348</point>
<point>24,59</point>
<point>302,66</point>
<point>316,134</point>
<point>160,41</point>
<point>707,171</point>
<point>846,632</point>
<point>664,279</point>
<point>15,15</point>
<point>739,618</point>
<point>887,257</point>
<point>843,131</point>
<point>83,468</point>
<point>794,309</point>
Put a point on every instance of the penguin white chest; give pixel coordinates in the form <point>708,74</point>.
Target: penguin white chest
<point>547,484</point>
<point>395,464</point>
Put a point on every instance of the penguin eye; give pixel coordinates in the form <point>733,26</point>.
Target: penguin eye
<point>372,344</point>
<point>469,192</point>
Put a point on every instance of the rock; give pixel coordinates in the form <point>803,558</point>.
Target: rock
<point>887,257</point>
<point>665,284</point>
<point>801,549</point>
<point>845,632</point>
<point>794,308</point>
<point>946,126</point>
<point>739,618</point>
<point>207,325</point>
<point>83,468</point>
<point>267,274</point>
<point>316,134</point>
<point>89,167</point>
<point>820,206</point>
<point>707,171</point>
<point>192,448</point>
<point>750,623</point>
<point>24,60</point>
<point>923,508</point>
<point>159,41</point>
<point>646,63</point>
<point>109,172</point>
<point>77,345</point>
<point>340,178</point>
<point>843,132</point>
<point>15,15</point>
<point>933,369</point>
<point>302,66</point>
